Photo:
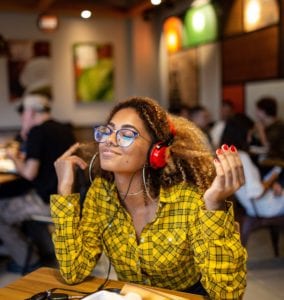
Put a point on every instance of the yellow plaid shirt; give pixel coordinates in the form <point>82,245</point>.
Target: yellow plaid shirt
<point>183,244</point>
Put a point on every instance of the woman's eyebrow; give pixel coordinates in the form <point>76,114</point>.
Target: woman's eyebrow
<point>124,126</point>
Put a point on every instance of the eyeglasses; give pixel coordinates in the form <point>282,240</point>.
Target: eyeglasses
<point>124,136</point>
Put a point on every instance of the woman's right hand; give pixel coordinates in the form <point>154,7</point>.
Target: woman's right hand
<point>65,167</point>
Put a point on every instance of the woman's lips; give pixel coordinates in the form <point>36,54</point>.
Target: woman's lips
<point>109,153</point>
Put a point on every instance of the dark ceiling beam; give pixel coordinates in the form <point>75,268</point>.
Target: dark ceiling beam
<point>6,6</point>
<point>75,9</point>
<point>44,5</point>
<point>67,9</point>
<point>139,8</point>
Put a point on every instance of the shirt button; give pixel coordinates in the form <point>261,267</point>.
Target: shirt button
<point>142,240</point>
<point>170,239</point>
<point>69,204</point>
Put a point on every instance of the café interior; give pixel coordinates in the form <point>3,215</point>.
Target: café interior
<point>175,51</point>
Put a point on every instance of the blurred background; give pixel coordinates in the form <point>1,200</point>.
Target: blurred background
<point>88,54</point>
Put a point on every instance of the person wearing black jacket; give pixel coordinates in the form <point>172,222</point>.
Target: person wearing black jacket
<point>46,140</point>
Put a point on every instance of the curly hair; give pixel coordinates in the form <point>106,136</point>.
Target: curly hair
<point>188,160</point>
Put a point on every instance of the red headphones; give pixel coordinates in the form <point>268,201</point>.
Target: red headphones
<point>157,155</point>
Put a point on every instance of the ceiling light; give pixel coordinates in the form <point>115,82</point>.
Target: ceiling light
<point>201,25</point>
<point>156,2</point>
<point>253,12</point>
<point>173,34</point>
<point>198,21</point>
<point>86,14</point>
<point>47,22</point>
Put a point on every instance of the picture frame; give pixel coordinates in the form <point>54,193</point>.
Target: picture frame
<point>93,72</point>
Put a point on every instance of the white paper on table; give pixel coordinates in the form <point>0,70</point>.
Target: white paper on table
<point>105,295</point>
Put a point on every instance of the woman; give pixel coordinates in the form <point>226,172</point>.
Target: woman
<point>263,198</point>
<point>156,211</point>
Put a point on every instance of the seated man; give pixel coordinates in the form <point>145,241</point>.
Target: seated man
<point>46,140</point>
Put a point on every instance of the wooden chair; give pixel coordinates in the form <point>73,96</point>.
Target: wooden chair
<point>273,224</point>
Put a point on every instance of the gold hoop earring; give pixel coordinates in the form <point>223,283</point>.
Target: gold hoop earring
<point>145,183</point>
<point>91,166</point>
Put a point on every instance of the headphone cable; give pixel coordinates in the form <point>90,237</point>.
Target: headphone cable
<point>102,286</point>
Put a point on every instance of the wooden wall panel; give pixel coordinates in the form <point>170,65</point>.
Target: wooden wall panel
<point>252,56</point>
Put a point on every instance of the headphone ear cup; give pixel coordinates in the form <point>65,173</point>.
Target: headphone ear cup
<point>157,155</point>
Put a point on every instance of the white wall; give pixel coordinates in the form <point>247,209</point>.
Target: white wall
<point>8,116</point>
<point>209,64</point>
<point>72,30</point>
<point>145,59</point>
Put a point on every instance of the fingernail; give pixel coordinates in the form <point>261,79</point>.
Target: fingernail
<point>225,147</point>
<point>233,148</point>
<point>219,151</point>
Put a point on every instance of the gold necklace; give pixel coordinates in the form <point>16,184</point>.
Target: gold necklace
<point>130,194</point>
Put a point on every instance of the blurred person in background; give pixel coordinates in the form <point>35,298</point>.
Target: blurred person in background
<point>45,140</point>
<point>259,196</point>
<point>269,129</point>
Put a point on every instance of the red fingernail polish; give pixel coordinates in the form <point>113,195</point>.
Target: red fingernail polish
<point>233,148</point>
<point>219,151</point>
<point>225,147</point>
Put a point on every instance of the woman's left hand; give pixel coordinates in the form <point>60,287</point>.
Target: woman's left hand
<point>229,178</point>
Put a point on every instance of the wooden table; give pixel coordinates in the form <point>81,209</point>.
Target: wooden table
<point>4,178</point>
<point>47,278</point>
<point>270,162</point>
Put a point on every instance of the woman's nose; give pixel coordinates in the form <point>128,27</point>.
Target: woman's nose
<point>112,140</point>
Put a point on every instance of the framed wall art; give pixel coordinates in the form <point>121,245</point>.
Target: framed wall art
<point>94,72</point>
<point>29,68</point>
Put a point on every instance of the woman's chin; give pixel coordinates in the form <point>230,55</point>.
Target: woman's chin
<point>107,166</point>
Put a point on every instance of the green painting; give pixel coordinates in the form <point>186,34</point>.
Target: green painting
<point>94,72</point>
